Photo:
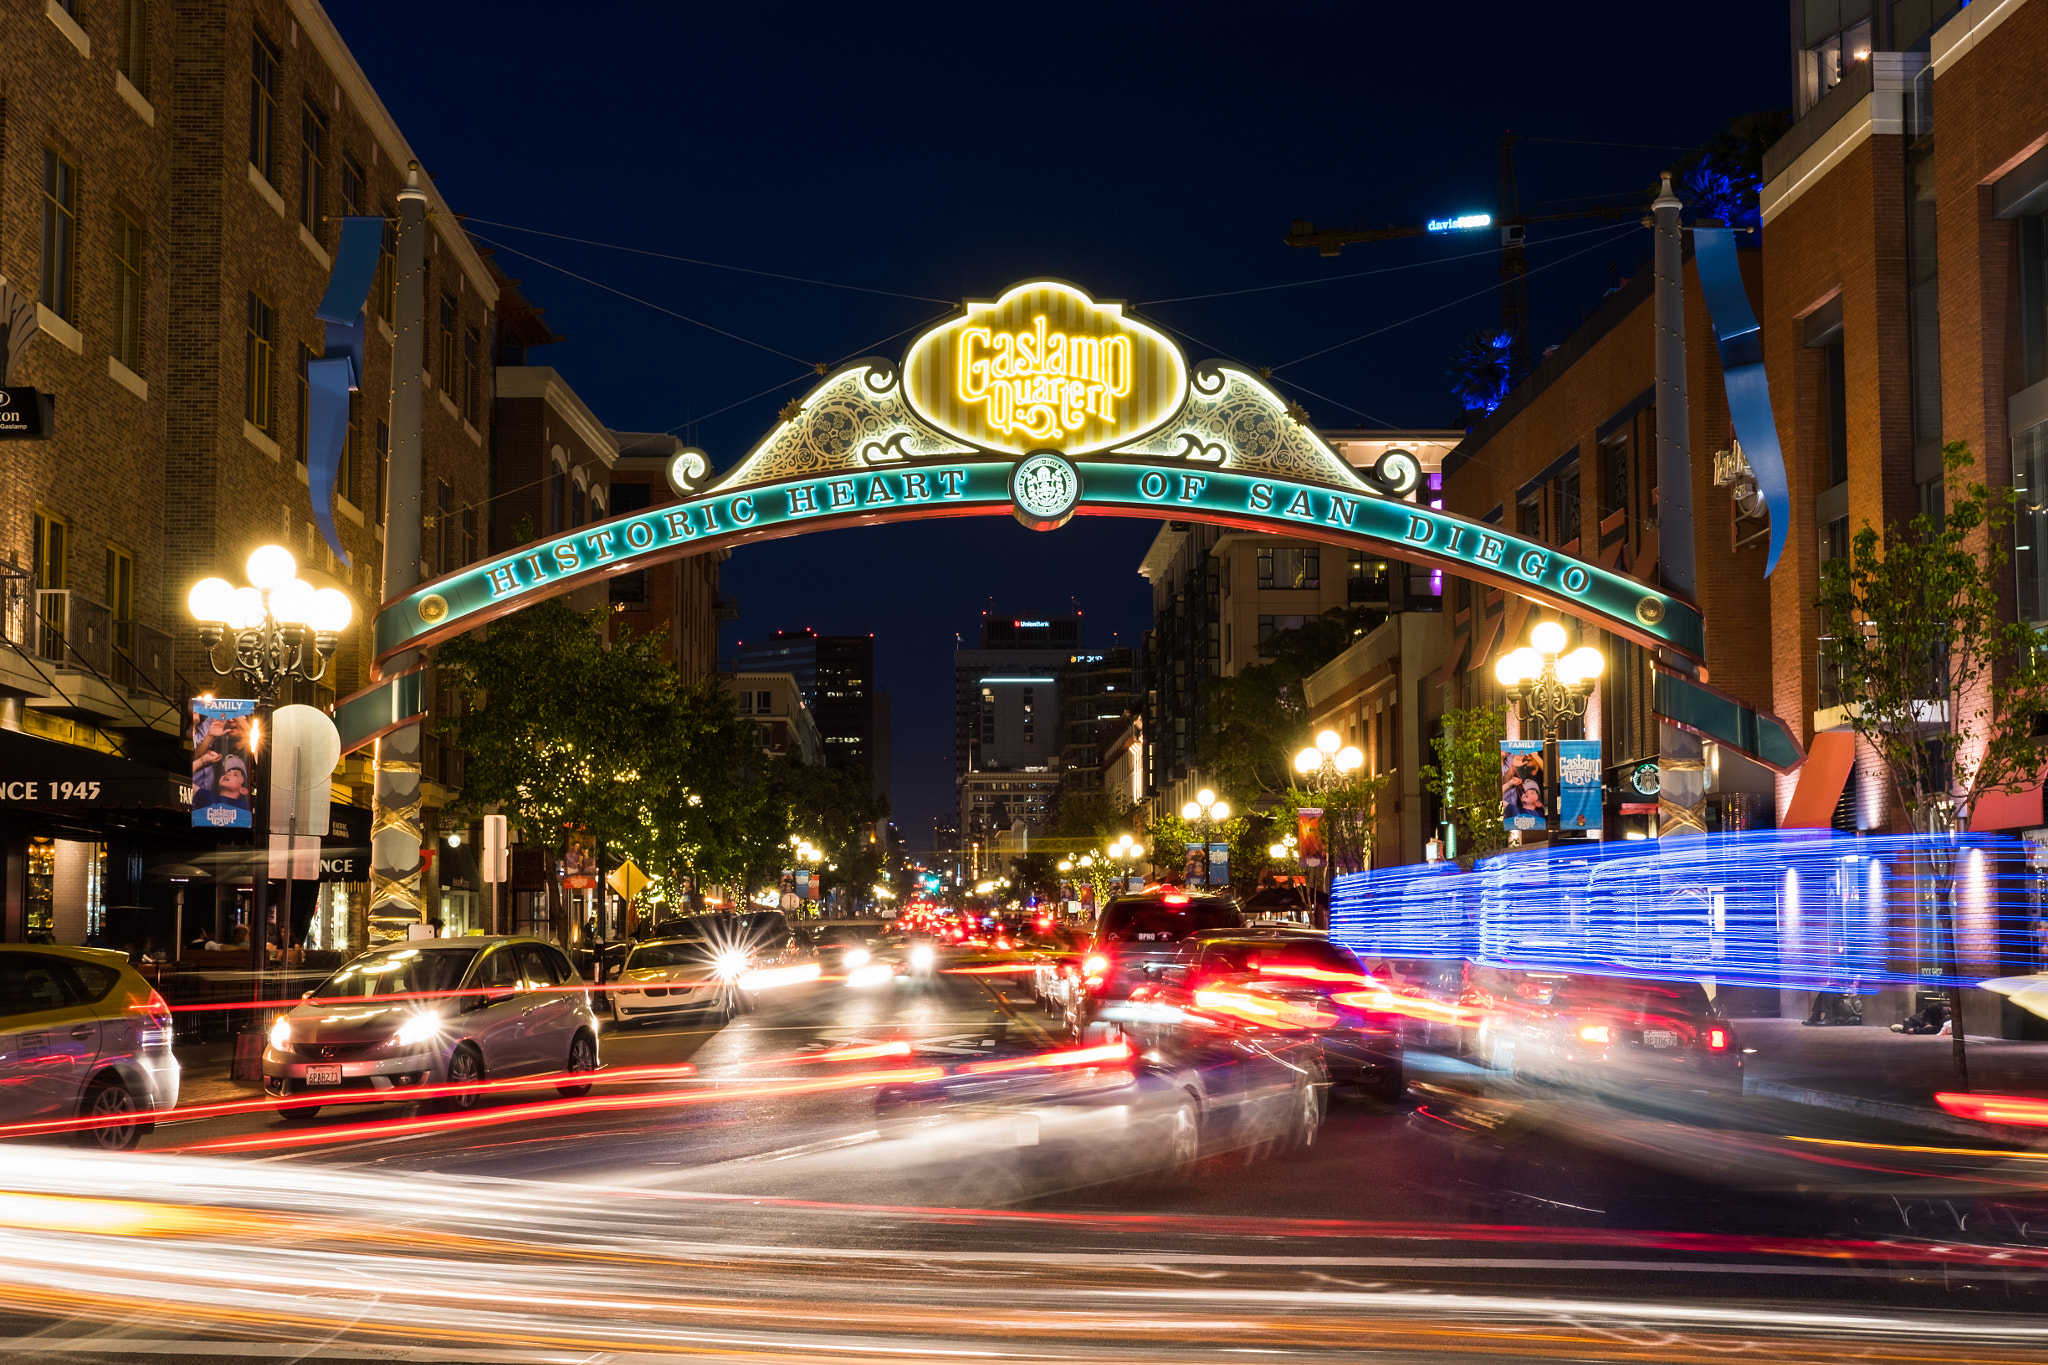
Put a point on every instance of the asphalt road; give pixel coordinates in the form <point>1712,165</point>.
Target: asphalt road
<point>764,1196</point>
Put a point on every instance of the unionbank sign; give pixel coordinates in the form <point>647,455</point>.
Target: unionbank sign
<point>1045,367</point>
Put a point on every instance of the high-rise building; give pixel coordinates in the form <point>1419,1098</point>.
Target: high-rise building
<point>836,674</point>
<point>1099,698</point>
<point>1008,735</point>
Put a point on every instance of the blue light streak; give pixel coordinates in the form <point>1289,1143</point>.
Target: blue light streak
<point>1789,908</point>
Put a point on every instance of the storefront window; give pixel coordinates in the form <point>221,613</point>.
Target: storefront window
<point>2030,524</point>
<point>40,910</point>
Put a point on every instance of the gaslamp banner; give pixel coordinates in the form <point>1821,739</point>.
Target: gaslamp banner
<point>224,749</point>
<point>1525,785</point>
<point>1308,836</point>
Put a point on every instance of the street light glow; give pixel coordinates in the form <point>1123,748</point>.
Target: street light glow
<point>1548,637</point>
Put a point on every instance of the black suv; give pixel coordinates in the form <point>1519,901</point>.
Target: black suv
<point>1136,938</point>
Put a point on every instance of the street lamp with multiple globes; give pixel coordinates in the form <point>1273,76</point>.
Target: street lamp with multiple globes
<point>1550,690</point>
<point>1210,810</point>
<point>1327,762</point>
<point>269,625</point>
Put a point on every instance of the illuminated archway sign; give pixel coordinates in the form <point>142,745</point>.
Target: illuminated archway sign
<point>1041,404</point>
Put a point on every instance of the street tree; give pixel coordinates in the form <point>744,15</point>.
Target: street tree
<point>563,732</point>
<point>1252,722</point>
<point>836,808</point>
<point>1466,779</point>
<point>1938,680</point>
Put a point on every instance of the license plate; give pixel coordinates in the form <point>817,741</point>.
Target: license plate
<point>1659,1038</point>
<point>323,1075</point>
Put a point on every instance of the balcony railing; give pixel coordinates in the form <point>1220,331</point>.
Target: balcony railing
<point>142,658</point>
<point>73,631</point>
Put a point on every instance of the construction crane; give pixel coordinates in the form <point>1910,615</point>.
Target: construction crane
<point>1513,224</point>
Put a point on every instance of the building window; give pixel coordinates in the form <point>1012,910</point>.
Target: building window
<point>127,292</point>
<point>383,459</point>
<point>121,603</point>
<point>1836,397</point>
<point>263,108</point>
<point>629,591</point>
<point>576,504</point>
<point>313,173</point>
<point>53,539</point>
<point>131,58</point>
<point>1290,566</point>
<point>259,364</point>
<point>2030,526</point>
<point>60,237</point>
<point>1613,477</point>
<point>1836,37</point>
<point>351,188</point>
<point>444,523</point>
<point>1529,516</point>
<point>469,535</point>
<point>345,478</point>
<point>305,403</point>
<point>472,374</point>
<point>558,499</point>
<point>1569,507</point>
<point>387,273</point>
<point>630,497</point>
<point>446,368</point>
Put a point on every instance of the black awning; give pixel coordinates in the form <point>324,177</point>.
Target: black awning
<point>46,777</point>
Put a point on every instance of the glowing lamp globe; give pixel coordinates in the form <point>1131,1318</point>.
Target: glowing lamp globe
<point>272,567</point>
<point>1586,661</point>
<point>1221,810</point>
<point>211,599</point>
<point>1350,759</point>
<point>1307,761</point>
<point>291,602</point>
<point>1548,637</point>
<point>1276,850</point>
<point>245,610</point>
<point>332,611</point>
<point>1205,796</point>
<point>1329,741</point>
<point>1191,811</point>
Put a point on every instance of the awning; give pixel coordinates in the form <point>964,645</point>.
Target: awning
<point>46,777</point>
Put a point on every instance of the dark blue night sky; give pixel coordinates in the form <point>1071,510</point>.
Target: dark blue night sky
<point>1147,153</point>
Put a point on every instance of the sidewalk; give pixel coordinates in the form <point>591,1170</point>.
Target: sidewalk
<point>1872,1071</point>
<point>204,1068</point>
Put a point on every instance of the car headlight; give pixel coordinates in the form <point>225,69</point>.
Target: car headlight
<point>854,957</point>
<point>421,1028</point>
<point>729,964</point>
<point>281,1034</point>
<point>922,956</point>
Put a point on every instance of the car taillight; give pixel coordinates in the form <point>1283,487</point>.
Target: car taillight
<point>1096,965</point>
<point>1717,1040</point>
<point>1594,1033</point>
<point>156,1021</point>
<point>1175,900</point>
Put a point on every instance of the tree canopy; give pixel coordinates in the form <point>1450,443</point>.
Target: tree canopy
<point>1255,722</point>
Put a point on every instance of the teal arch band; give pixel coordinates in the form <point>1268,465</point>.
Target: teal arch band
<point>470,597</point>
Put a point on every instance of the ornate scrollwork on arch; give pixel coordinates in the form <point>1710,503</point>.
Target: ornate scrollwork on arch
<point>1234,418</point>
<point>855,417</point>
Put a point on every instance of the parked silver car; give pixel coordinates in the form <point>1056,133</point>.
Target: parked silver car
<point>431,1012</point>
<point>82,1035</point>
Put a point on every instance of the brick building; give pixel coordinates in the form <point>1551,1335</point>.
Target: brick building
<point>171,180</point>
<point>1218,596</point>
<point>681,596</point>
<point>1570,459</point>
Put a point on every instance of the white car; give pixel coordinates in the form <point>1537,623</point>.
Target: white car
<point>435,1012</point>
<point>668,977</point>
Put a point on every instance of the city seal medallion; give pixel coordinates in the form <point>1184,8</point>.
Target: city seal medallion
<point>1044,489</point>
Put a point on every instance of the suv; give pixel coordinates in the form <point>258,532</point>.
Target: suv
<point>1136,938</point>
<point>82,1035</point>
<point>458,1011</point>
<point>1622,1033</point>
<point>1289,980</point>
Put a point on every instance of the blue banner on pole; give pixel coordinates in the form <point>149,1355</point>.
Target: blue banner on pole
<point>1740,341</point>
<point>1578,776</point>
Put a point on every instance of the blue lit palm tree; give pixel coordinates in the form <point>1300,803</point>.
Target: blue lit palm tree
<point>1484,372</point>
